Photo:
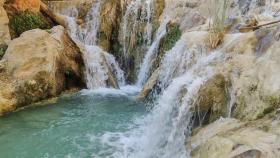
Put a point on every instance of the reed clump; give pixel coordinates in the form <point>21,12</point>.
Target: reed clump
<point>218,12</point>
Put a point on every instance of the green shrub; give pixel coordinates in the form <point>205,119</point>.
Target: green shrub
<point>24,21</point>
<point>3,49</point>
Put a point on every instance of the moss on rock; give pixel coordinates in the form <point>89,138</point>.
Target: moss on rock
<point>168,41</point>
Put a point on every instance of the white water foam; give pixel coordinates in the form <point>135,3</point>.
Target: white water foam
<point>127,90</point>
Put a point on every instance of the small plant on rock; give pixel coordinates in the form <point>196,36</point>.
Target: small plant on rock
<point>3,49</point>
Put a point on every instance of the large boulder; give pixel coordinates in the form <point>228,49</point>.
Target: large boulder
<point>39,65</point>
<point>235,139</point>
<point>254,73</point>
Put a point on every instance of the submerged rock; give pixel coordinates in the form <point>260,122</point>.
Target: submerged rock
<point>39,65</point>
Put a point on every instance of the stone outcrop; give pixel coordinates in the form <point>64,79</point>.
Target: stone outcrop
<point>235,139</point>
<point>212,100</point>
<point>39,65</point>
<point>254,73</point>
<point>251,74</point>
<point>110,20</point>
<point>4,29</point>
<point>150,85</point>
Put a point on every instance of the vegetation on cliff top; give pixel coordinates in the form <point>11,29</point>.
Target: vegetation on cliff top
<point>24,21</point>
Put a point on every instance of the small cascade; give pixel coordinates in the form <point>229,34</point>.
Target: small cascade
<point>178,59</point>
<point>97,72</point>
<point>168,15</point>
<point>150,54</point>
<point>132,21</point>
<point>87,33</point>
<point>100,65</point>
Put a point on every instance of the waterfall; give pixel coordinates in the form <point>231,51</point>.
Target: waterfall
<point>162,133</point>
<point>96,72</point>
<point>98,63</point>
<point>169,14</point>
<point>147,62</point>
<point>132,20</point>
<point>87,33</point>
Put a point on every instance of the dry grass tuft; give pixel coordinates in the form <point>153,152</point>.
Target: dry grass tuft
<point>218,11</point>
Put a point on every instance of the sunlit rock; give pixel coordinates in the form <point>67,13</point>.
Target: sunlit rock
<point>4,30</point>
<point>39,65</point>
<point>27,5</point>
<point>232,138</point>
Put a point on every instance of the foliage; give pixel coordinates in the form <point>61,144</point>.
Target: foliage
<point>3,49</point>
<point>24,21</point>
<point>169,40</point>
<point>218,11</point>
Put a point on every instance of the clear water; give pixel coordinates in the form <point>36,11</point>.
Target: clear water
<point>76,126</point>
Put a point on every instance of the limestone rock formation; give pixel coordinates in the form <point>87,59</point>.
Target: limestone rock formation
<point>235,139</point>
<point>110,20</point>
<point>253,71</point>
<point>150,85</point>
<point>39,65</point>
<point>4,29</point>
<point>212,99</point>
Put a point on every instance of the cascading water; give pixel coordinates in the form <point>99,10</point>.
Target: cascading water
<point>132,20</point>
<point>98,62</point>
<point>167,16</point>
<point>147,62</point>
<point>162,133</point>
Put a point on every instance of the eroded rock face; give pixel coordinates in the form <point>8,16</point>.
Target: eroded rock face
<point>212,99</point>
<point>27,5</point>
<point>254,74</point>
<point>39,65</point>
<point>110,20</point>
<point>4,28</point>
